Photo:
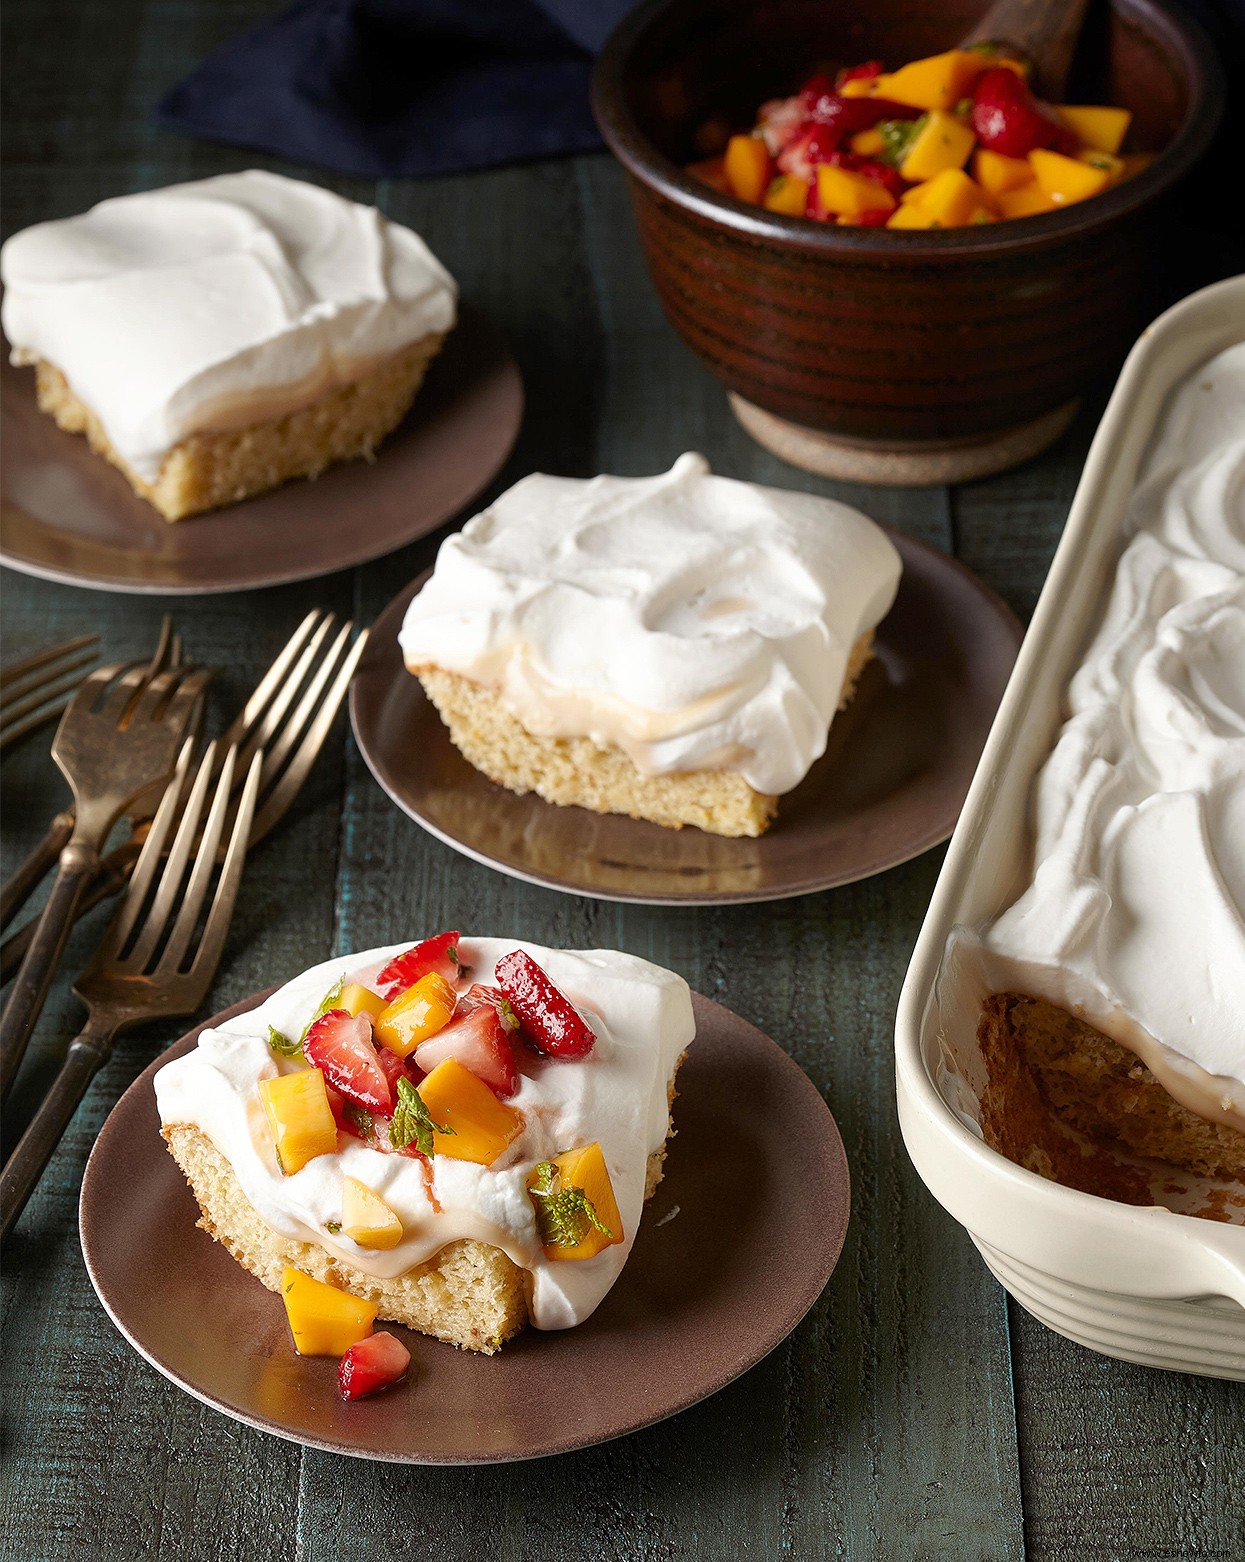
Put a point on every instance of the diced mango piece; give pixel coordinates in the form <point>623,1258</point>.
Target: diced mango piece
<point>585,1169</point>
<point>1102,128</point>
<point>421,1011</point>
<point>950,199</point>
<point>366,1218</point>
<point>787,195</point>
<point>711,171</point>
<point>937,82</point>
<point>1111,165</point>
<point>483,1126</point>
<point>859,87</point>
<point>323,1320</point>
<point>848,193</point>
<point>911,215</point>
<point>997,174</point>
<point>942,142</point>
<point>1066,179</point>
<point>298,1112</point>
<point>867,143</point>
<point>747,167</point>
<point>356,999</point>
<point>1028,201</point>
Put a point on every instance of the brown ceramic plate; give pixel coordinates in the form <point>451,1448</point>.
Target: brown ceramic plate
<point>890,784</point>
<point>68,515</point>
<point>698,1303</point>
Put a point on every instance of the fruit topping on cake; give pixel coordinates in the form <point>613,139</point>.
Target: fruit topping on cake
<point>373,1364</point>
<point>547,1017</point>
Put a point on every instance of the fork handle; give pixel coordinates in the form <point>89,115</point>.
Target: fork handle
<point>86,1055</point>
<point>78,863</point>
<point>111,879</point>
<point>17,888</point>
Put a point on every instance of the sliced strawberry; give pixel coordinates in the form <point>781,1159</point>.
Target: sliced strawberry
<point>341,1045</point>
<point>1007,118</point>
<point>394,1069</point>
<point>372,1364</point>
<point>479,1040</point>
<point>480,993</point>
<point>438,954</point>
<point>547,1017</point>
<point>811,144</point>
<point>814,89</point>
<point>865,72</point>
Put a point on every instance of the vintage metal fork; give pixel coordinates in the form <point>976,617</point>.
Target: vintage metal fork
<point>37,689</point>
<point>152,968</point>
<point>119,738</point>
<point>21,883</point>
<point>289,715</point>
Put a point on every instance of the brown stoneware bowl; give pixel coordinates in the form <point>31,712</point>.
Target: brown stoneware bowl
<point>900,355</point>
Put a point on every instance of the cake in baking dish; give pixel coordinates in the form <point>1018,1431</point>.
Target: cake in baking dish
<point>673,648</point>
<point>216,339</point>
<point>1113,1018</point>
<point>462,1134</point>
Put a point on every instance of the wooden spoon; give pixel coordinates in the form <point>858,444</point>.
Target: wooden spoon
<point>1043,32</point>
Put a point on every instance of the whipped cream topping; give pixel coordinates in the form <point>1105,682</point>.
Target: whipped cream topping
<point>1135,917</point>
<point>216,304</point>
<point>642,1017</point>
<point>695,622</point>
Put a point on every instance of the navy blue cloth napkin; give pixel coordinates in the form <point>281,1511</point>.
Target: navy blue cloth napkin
<point>404,88</point>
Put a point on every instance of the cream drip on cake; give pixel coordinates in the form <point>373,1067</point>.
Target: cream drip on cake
<point>217,304</point>
<point>641,1015</point>
<point>1135,916</point>
<point>692,621</point>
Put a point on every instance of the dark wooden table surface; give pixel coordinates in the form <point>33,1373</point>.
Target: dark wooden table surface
<point>916,1413</point>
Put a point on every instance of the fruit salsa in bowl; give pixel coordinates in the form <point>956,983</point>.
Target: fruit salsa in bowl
<point>951,141</point>
<point>966,343</point>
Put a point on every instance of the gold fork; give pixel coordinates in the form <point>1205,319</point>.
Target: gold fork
<point>154,968</point>
<point>37,689</point>
<point>289,716</point>
<point>118,739</point>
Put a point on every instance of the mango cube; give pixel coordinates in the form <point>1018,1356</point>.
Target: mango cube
<point>998,175</point>
<point>747,167</point>
<point>1101,128</point>
<point>586,1170</point>
<point>951,199</point>
<point>301,1119</point>
<point>868,143</point>
<point>858,87</point>
<point>912,215</point>
<point>937,82</point>
<point>421,1011</point>
<point>366,1218</point>
<point>942,142</point>
<point>361,1000</point>
<point>787,195</point>
<point>323,1320</point>
<point>1067,179</point>
<point>849,194</point>
<point>483,1126</point>
<point>1029,201</point>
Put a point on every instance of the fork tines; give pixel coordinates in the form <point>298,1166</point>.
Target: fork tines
<point>292,709</point>
<point>37,689</point>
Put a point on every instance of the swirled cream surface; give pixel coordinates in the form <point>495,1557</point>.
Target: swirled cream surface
<point>695,622</point>
<point>1135,917</point>
<point>216,304</point>
<point>642,1017</point>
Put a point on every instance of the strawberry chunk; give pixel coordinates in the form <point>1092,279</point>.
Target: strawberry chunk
<point>438,954</point>
<point>480,1041</point>
<point>394,1069</point>
<point>341,1045</point>
<point>480,993</point>
<point>547,1017</point>
<point>372,1364</point>
<point>865,72</point>
<point>1008,119</point>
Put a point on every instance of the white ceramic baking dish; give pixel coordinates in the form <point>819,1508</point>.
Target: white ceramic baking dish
<point>1141,1283</point>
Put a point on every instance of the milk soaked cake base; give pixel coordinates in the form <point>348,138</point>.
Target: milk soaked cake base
<point>1050,1072</point>
<point>207,470</point>
<point>576,772</point>
<point>470,1294</point>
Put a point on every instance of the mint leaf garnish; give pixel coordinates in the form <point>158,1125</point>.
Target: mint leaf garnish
<point>897,137</point>
<point>564,1213</point>
<point>284,1046</point>
<point>412,1122</point>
